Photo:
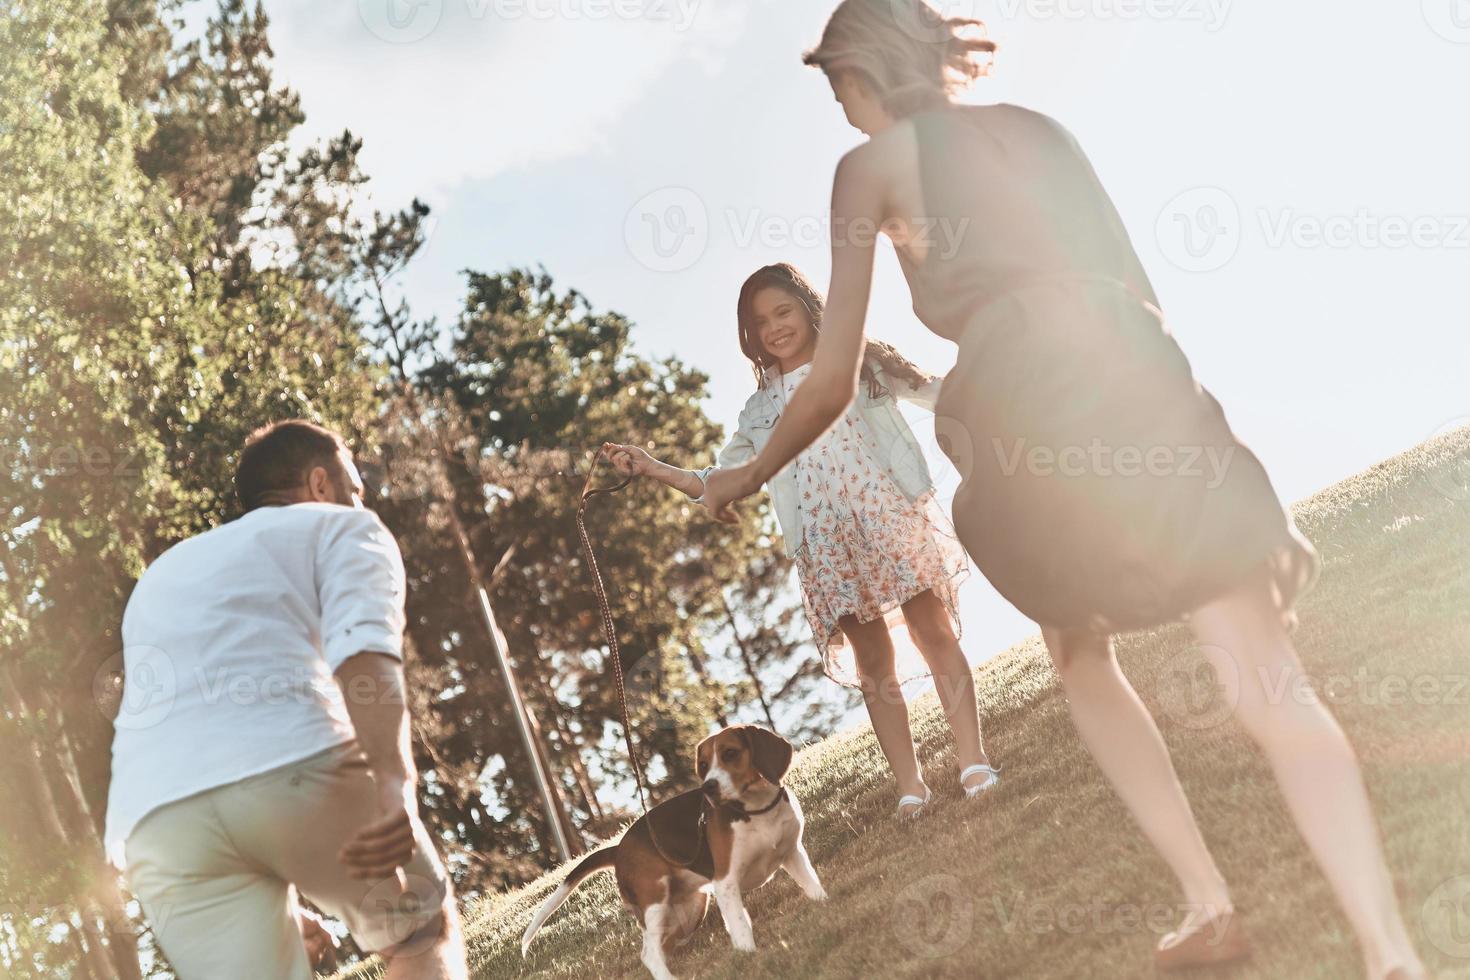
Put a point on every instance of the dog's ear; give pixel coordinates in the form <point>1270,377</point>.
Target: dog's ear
<point>770,752</point>
<point>702,753</point>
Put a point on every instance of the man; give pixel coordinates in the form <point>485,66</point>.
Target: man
<point>263,741</point>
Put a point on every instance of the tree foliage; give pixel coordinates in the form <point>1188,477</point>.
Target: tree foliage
<point>172,275</point>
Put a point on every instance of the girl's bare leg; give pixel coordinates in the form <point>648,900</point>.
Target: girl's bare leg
<point>872,650</point>
<point>929,626</point>
<point>1122,737</point>
<point>1314,764</point>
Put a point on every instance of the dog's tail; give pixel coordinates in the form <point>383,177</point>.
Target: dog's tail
<point>599,860</point>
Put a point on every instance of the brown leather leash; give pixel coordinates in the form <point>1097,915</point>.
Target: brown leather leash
<point>609,633</point>
<point>609,628</point>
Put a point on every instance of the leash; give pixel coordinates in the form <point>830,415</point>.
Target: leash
<point>609,628</point>
<point>609,633</point>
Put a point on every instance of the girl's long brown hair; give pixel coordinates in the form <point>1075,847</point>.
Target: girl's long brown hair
<point>789,279</point>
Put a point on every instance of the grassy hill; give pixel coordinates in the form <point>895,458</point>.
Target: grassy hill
<point>1048,876</point>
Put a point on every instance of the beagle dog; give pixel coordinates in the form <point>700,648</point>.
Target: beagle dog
<point>727,837</point>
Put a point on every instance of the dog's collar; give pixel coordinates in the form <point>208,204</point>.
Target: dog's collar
<point>737,810</point>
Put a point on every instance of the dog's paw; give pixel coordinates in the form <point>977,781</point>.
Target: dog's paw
<point>743,945</point>
<point>817,895</point>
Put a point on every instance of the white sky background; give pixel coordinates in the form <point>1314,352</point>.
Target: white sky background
<point>536,127</point>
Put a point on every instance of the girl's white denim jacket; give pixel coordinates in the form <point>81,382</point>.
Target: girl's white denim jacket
<point>898,450</point>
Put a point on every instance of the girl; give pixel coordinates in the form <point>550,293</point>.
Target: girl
<point>860,521</point>
<point>1062,349</point>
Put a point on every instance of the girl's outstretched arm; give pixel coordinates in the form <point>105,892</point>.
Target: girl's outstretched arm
<point>635,461</point>
<point>857,212</point>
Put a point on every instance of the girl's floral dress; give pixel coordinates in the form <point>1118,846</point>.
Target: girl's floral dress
<point>865,549</point>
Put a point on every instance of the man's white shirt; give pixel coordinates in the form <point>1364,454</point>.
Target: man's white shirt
<point>230,641</point>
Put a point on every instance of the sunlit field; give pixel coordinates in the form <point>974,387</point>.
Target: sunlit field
<point>1048,877</point>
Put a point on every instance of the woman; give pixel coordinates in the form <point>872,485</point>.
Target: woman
<point>1063,355</point>
<point>860,521</point>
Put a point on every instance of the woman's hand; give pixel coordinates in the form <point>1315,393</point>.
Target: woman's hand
<point>725,486</point>
<point>628,460</point>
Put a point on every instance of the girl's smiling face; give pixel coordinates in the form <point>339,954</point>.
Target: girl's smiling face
<point>784,327</point>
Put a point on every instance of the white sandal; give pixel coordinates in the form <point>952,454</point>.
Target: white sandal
<point>917,802</point>
<point>992,772</point>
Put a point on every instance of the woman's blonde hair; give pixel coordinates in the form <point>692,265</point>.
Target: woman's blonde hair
<point>912,56</point>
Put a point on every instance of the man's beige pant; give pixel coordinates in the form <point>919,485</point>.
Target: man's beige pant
<point>212,871</point>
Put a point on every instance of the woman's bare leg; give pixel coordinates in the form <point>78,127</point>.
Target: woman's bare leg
<point>1122,737</point>
<point>1314,764</point>
<point>872,650</point>
<point>929,626</point>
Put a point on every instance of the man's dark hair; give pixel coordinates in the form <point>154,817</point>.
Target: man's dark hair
<point>278,457</point>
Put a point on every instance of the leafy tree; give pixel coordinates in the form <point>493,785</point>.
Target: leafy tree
<point>172,277</point>
<point>94,318</point>
<point>532,381</point>
<point>132,377</point>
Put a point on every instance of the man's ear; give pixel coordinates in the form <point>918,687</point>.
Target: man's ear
<point>770,752</point>
<point>319,487</point>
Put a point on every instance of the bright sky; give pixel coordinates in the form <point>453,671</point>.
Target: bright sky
<point>1293,176</point>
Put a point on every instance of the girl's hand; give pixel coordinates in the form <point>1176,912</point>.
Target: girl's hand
<point>725,486</point>
<point>627,460</point>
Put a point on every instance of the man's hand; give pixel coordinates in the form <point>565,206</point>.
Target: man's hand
<point>373,689</point>
<point>321,945</point>
<point>725,486</point>
<point>385,845</point>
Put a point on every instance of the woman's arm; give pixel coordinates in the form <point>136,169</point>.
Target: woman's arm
<point>857,211</point>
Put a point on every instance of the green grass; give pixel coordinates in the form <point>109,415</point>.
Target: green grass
<point>1049,877</point>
